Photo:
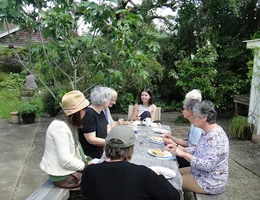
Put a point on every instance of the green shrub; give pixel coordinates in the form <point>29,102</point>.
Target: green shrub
<point>3,77</point>
<point>237,126</point>
<point>51,106</point>
<point>28,107</point>
<point>14,80</point>
<point>8,64</point>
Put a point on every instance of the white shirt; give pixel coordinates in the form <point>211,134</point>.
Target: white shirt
<point>61,155</point>
<point>141,109</point>
<point>108,116</point>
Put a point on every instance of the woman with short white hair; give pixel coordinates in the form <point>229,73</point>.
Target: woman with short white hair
<point>194,94</point>
<point>194,134</point>
<point>110,120</point>
<point>95,126</point>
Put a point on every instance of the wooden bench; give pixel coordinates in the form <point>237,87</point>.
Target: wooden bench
<point>240,99</point>
<point>199,196</point>
<point>49,191</point>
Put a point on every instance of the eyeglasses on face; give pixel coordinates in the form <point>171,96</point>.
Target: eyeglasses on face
<point>196,116</point>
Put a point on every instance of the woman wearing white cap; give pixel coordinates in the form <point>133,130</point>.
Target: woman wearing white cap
<point>63,157</point>
<point>118,178</point>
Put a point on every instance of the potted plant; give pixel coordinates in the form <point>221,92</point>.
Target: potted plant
<point>241,128</point>
<point>27,111</point>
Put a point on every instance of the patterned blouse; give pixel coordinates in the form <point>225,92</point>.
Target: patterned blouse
<point>209,164</point>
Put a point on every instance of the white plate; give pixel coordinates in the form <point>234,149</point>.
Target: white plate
<point>166,172</point>
<point>167,154</point>
<point>157,140</point>
<point>136,122</point>
<point>160,130</point>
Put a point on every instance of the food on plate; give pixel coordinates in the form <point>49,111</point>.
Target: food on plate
<point>160,130</point>
<point>157,139</point>
<point>158,152</point>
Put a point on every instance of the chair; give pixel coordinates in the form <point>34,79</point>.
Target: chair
<point>157,116</point>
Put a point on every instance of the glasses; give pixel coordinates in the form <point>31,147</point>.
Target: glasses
<point>195,116</point>
<point>184,109</point>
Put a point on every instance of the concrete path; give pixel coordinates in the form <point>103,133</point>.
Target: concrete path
<point>22,146</point>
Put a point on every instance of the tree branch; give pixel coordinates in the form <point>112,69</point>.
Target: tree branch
<point>20,61</point>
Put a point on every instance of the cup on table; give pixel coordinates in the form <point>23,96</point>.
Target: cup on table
<point>148,121</point>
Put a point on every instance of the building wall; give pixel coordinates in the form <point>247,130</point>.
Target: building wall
<point>20,38</point>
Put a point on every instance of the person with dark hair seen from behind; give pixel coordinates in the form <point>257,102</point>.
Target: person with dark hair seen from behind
<point>119,179</point>
<point>95,125</point>
<point>194,134</point>
<point>208,171</point>
<point>63,159</point>
<point>145,107</point>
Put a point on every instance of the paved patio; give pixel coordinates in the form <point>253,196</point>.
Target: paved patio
<point>22,147</point>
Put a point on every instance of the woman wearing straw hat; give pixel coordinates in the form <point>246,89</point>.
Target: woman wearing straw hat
<point>117,178</point>
<point>63,157</point>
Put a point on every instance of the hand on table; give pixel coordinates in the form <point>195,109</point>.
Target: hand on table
<point>175,149</point>
<point>169,141</point>
<point>121,121</point>
<point>137,118</point>
<point>167,138</point>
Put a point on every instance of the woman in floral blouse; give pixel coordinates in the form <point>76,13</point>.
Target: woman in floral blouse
<point>208,171</point>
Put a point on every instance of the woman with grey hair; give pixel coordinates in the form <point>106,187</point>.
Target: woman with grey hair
<point>194,94</point>
<point>192,97</point>
<point>208,172</point>
<point>193,135</point>
<point>117,178</point>
<point>108,114</point>
<point>95,126</point>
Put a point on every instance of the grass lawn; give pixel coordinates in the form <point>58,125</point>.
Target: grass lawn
<point>10,101</point>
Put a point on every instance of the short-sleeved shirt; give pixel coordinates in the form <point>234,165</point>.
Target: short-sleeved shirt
<point>141,109</point>
<point>93,122</point>
<point>194,135</point>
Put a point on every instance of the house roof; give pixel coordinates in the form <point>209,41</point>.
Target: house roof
<point>8,30</point>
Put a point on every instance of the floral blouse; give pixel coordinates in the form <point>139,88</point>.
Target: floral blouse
<point>209,164</point>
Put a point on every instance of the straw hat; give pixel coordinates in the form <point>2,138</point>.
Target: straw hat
<point>73,102</point>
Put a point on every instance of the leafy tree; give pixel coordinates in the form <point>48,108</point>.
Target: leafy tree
<point>225,24</point>
<point>117,50</point>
